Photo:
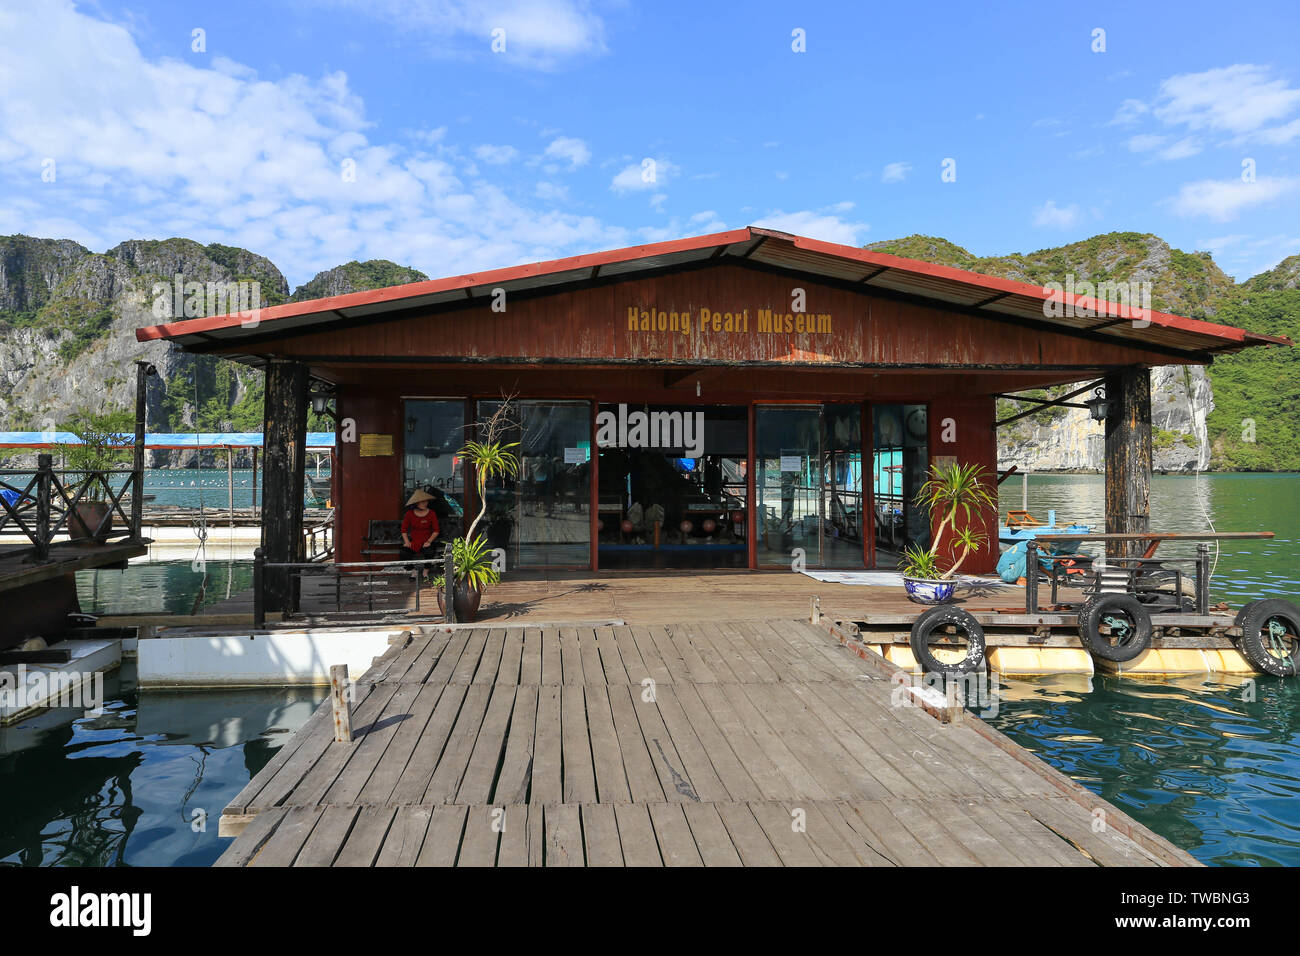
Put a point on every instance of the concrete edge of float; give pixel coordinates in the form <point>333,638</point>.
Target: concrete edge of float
<point>253,659</point>
<point>29,688</point>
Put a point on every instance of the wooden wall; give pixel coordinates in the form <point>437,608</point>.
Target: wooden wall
<point>590,324</point>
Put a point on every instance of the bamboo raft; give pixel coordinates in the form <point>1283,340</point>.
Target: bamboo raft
<point>754,743</point>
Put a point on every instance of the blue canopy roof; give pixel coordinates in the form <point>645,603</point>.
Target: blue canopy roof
<point>315,440</point>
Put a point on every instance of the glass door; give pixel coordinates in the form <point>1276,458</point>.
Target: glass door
<point>542,517</point>
<point>808,485</point>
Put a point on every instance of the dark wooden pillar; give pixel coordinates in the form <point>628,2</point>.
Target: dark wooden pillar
<point>284,441</point>
<point>1128,457</point>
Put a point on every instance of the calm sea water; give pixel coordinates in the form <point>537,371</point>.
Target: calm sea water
<point>1199,762</point>
<point>144,783</point>
<point>191,487</point>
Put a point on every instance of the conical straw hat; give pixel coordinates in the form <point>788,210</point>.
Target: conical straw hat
<point>417,496</point>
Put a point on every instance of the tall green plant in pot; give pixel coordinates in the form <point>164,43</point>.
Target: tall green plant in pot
<point>105,442</point>
<point>491,457</point>
<point>960,496</point>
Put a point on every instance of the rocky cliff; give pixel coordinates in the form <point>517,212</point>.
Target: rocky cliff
<point>68,318</point>
<point>1182,397</point>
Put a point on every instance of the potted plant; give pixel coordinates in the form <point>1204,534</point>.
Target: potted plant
<point>951,492</point>
<point>104,443</point>
<point>472,554</point>
<point>475,572</point>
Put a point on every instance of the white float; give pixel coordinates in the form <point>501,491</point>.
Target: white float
<point>255,659</point>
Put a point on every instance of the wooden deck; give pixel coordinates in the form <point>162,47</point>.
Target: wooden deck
<point>636,597</point>
<point>760,742</point>
<point>19,567</point>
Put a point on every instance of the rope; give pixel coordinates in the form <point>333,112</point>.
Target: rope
<point>199,525</point>
<point>1205,513</point>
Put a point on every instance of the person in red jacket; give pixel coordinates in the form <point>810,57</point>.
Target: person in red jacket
<point>419,528</point>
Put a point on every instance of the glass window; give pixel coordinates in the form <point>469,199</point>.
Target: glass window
<point>431,442</point>
<point>901,457</point>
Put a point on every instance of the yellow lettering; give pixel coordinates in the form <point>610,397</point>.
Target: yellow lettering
<point>631,318</point>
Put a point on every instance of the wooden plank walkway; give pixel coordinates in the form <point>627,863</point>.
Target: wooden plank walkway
<point>709,743</point>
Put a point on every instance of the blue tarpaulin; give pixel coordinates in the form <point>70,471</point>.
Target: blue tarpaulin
<point>161,439</point>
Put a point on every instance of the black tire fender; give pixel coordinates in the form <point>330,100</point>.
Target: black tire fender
<point>944,616</point>
<point>1092,617</point>
<point>1255,643</point>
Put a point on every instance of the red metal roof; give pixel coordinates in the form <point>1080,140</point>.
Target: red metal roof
<point>872,270</point>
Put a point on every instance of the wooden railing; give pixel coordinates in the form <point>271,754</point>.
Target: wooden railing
<point>45,503</point>
<point>318,540</point>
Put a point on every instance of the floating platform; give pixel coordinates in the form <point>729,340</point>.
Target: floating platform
<point>758,742</point>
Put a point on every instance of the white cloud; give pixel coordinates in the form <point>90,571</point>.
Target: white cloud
<point>649,173</point>
<point>1242,256</point>
<point>706,222</point>
<point>824,224</point>
<point>551,192</point>
<point>1153,142</point>
<point>1056,217</point>
<point>1223,200</point>
<point>895,172</point>
<point>537,33</point>
<point>1237,99</point>
<point>1129,112</point>
<point>496,155</point>
<point>1187,146</point>
<point>1145,142</point>
<point>215,152</point>
<point>1244,101</point>
<point>570,150</point>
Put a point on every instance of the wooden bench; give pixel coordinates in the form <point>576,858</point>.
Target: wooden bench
<point>384,536</point>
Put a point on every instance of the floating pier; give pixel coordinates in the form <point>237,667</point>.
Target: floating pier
<point>760,742</point>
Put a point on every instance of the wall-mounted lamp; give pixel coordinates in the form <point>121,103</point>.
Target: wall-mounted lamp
<point>697,388</point>
<point>320,404</point>
<point>1098,405</point>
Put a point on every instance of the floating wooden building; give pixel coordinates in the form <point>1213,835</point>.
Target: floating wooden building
<point>745,399</point>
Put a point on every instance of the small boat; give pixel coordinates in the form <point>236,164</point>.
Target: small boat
<point>319,489</point>
<point>1022,526</point>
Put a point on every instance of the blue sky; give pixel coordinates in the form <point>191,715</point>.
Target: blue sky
<point>318,131</point>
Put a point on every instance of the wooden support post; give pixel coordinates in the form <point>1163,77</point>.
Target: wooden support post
<point>254,481</point>
<point>284,441</point>
<point>230,483</point>
<point>142,372</point>
<point>44,482</point>
<point>259,588</point>
<point>449,585</point>
<point>1202,578</point>
<point>1128,458</point>
<point>341,698</point>
<point>1031,576</point>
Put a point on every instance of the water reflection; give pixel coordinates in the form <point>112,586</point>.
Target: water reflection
<point>123,788</point>
<point>1213,765</point>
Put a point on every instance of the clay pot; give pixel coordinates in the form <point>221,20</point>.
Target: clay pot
<point>467,602</point>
